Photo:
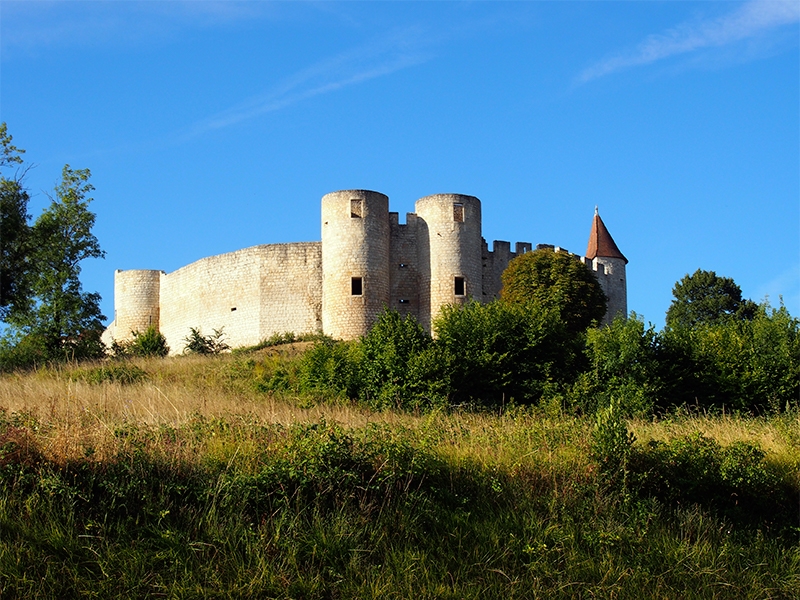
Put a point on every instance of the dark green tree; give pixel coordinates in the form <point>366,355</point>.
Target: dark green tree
<point>14,231</point>
<point>705,298</point>
<point>64,319</point>
<point>555,281</point>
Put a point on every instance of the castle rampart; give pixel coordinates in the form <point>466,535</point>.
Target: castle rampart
<point>367,261</point>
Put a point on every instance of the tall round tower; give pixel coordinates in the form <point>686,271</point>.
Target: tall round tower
<point>136,301</point>
<point>355,261</point>
<point>449,246</point>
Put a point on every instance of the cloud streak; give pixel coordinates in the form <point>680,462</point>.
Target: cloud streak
<point>390,54</point>
<point>751,19</point>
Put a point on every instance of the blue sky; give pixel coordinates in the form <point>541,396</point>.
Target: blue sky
<point>213,126</point>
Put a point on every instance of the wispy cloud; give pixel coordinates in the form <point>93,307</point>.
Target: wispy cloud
<point>751,19</point>
<point>389,54</point>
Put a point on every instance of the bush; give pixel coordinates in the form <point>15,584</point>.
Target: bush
<point>151,342</point>
<point>196,343</point>
<point>747,365</point>
<point>623,368</point>
<point>386,356</point>
<point>498,351</point>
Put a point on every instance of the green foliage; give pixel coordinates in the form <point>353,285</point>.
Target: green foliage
<point>331,367</point>
<point>150,342</point>
<point>748,365</point>
<point>704,298</point>
<point>500,351</point>
<point>555,281</point>
<point>196,343</point>
<point>388,368</point>
<point>65,319</point>
<point>737,481</point>
<point>15,247</point>
<point>624,368</point>
<point>611,445</point>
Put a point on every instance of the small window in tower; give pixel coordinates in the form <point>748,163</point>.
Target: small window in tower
<point>460,288</point>
<point>458,212</point>
<point>356,286</point>
<point>233,309</point>
<point>356,209</point>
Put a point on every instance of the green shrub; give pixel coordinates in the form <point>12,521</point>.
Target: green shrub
<point>196,343</point>
<point>151,342</point>
<point>332,367</point>
<point>499,351</point>
<point>623,366</point>
<point>611,445</point>
<point>385,361</point>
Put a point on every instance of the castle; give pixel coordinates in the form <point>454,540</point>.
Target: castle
<point>365,262</point>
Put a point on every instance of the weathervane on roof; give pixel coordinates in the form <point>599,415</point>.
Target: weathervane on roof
<point>596,211</point>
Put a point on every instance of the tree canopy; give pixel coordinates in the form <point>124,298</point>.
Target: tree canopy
<point>706,298</point>
<point>15,238</point>
<point>557,281</point>
<point>43,302</point>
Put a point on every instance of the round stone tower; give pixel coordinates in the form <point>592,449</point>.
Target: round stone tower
<point>449,247</point>
<point>136,301</point>
<point>355,261</point>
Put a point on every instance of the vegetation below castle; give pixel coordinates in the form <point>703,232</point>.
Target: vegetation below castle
<point>190,477</point>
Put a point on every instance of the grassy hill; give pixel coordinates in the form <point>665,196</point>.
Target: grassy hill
<point>200,477</point>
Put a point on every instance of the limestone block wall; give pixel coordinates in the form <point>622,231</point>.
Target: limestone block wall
<point>291,288</point>
<point>403,266</point>
<point>449,245</point>
<point>251,293</point>
<point>355,261</point>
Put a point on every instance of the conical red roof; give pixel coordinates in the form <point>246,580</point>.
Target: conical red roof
<point>601,243</point>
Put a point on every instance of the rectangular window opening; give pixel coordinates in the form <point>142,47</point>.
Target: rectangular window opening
<point>460,287</point>
<point>458,212</point>
<point>356,209</point>
<point>357,286</point>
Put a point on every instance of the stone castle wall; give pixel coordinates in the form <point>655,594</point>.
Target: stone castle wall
<point>251,293</point>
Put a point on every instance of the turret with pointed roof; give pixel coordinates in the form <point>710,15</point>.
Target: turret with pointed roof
<point>609,265</point>
<point>600,241</point>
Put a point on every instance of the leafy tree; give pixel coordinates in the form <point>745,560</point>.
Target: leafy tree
<point>62,315</point>
<point>15,237</point>
<point>704,298</point>
<point>557,281</point>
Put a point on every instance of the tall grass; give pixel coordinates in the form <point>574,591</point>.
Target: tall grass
<point>193,480</point>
